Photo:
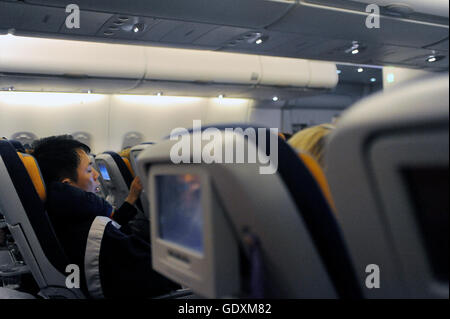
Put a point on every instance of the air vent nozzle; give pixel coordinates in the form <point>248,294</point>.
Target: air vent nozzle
<point>398,10</point>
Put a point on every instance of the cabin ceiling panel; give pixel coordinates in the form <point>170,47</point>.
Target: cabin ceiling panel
<point>345,25</point>
<point>441,46</point>
<point>402,55</point>
<point>121,27</point>
<point>221,35</point>
<point>91,22</point>
<point>243,13</point>
<point>306,29</point>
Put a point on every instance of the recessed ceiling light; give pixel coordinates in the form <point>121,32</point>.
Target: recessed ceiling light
<point>355,51</point>
<point>390,78</point>
<point>431,59</point>
<point>360,70</point>
<point>373,80</point>
<point>275,98</point>
<point>259,41</point>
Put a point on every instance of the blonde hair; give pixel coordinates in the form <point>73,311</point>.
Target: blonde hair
<point>312,141</point>
<point>125,153</point>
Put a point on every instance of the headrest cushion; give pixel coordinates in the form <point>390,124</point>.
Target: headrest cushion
<point>128,164</point>
<point>32,168</point>
<point>318,174</point>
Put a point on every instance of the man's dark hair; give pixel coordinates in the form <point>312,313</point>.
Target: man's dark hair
<point>58,158</point>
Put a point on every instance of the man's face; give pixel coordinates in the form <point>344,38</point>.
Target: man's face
<point>87,175</point>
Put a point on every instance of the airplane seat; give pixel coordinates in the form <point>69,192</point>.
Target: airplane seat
<point>320,178</point>
<point>134,153</point>
<point>276,233</point>
<point>128,164</point>
<point>22,204</point>
<point>387,166</point>
<point>18,146</point>
<point>117,177</point>
<point>102,191</point>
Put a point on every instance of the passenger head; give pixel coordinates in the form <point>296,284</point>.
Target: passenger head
<point>312,140</point>
<point>63,159</point>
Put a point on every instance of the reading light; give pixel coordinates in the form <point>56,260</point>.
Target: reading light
<point>360,70</point>
<point>431,59</point>
<point>221,96</point>
<point>138,27</point>
<point>275,98</point>
<point>260,38</point>
<point>159,94</point>
<point>373,80</point>
<point>354,49</point>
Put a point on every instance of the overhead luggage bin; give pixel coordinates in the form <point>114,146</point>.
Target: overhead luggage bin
<point>80,64</point>
<point>71,58</point>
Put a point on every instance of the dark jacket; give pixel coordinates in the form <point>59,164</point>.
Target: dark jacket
<point>113,261</point>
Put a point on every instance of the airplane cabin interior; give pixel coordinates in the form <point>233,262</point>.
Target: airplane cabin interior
<point>204,103</point>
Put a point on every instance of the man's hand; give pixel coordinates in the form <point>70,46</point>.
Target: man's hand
<point>135,191</point>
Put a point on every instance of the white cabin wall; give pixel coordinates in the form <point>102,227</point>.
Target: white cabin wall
<point>152,116</point>
<point>307,116</point>
<point>266,117</point>
<point>155,117</point>
<point>107,118</point>
<point>223,111</point>
<point>46,114</point>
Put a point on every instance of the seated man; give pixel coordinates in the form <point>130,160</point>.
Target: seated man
<point>113,262</point>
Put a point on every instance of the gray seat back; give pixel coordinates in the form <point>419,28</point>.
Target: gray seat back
<point>21,203</point>
<point>388,172</point>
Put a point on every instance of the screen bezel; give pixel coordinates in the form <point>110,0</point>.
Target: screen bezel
<point>388,157</point>
<point>190,266</point>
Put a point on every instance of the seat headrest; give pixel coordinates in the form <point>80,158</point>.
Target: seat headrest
<point>318,174</point>
<point>32,168</point>
<point>128,164</point>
